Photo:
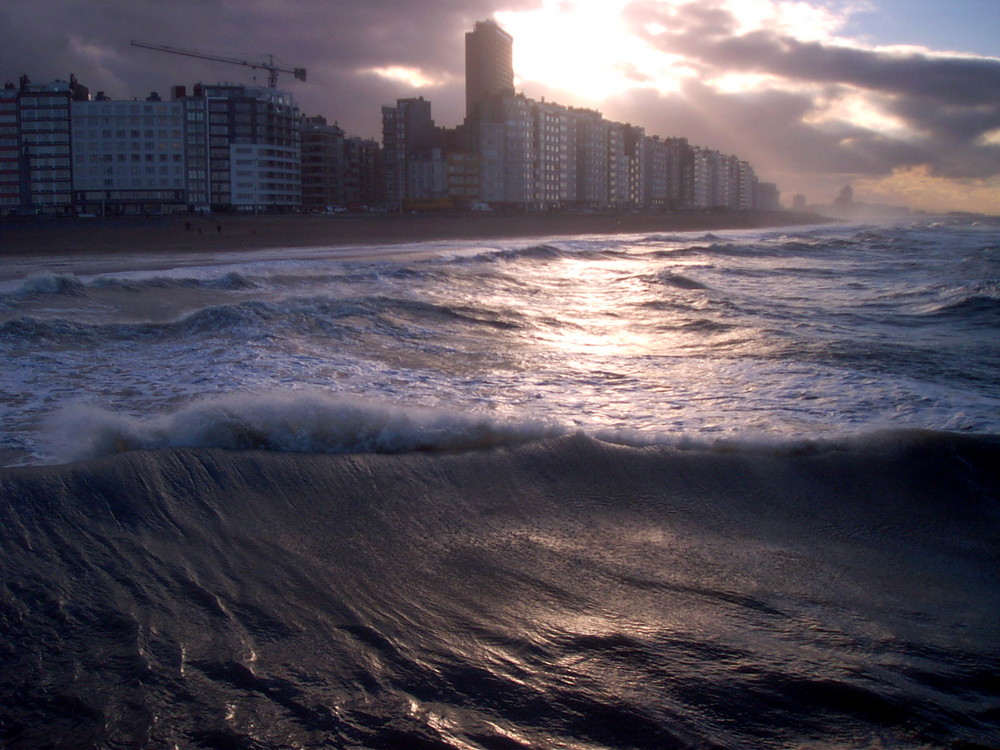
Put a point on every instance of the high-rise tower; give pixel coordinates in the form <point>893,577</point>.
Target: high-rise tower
<point>489,68</point>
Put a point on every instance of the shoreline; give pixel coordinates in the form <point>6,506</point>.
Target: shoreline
<point>184,233</point>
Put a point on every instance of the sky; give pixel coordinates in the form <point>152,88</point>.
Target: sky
<point>898,98</point>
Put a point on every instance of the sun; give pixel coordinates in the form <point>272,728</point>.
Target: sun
<point>584,48</point>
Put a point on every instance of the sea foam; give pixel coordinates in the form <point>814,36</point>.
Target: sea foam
<point>298,422</point>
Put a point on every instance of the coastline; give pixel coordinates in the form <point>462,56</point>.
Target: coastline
<point>221,232</point>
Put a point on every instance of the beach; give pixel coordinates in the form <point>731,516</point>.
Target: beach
<point>225,232</point>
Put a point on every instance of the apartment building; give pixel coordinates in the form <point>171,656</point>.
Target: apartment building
<point>699,186</point>
<point>128,156</point>
<point>37,116</point>
<point>555,157</point>
<point>323,168</point>
<point>537,154</point>
<point>489,69</point>
<point>248,147</point>
<point>592,158</point>
<point>363,173</point>
<point>768,197</point>
<point>747,186</point>
<point>10,151</point>
<point>407,130</point>
<point>635,155</point>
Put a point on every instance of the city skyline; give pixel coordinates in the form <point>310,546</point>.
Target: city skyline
<point>813,94</point>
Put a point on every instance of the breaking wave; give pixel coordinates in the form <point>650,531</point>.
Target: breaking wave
<point>298,422</point>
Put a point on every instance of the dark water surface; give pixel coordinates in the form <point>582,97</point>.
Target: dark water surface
<point>566,594</point>
<point>737,490</point>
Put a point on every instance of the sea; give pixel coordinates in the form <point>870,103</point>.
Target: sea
<point>733,489</point>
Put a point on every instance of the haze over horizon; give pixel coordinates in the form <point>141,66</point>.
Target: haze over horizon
<point>898,99</point>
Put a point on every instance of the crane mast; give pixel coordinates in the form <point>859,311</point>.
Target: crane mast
<point>270,66</point>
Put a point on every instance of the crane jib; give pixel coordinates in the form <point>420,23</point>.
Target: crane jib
<point>272,69</point>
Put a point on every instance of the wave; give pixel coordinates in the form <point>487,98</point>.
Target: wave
<point>679,281</point>
<point>975,309</point>
<point>541,252</point>
<point>566,593</point>
<point>575,249</point>
<point>231,281</point>
<point>313,316</point>
<point>59,283</point>
<point>72,285</point>
<point>299,422</point>
<point>976,304</point>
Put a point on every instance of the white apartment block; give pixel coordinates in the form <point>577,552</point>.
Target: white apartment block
<point>635,152</point>
<point>747,184</point>
<point>128,156</point>
<point>555,154</point>
<point>619,187</point>
<point>263,177</point>
<point>491,145</point>
<point>592,158</point>
<point>700,179</point>
<point>521,157</point>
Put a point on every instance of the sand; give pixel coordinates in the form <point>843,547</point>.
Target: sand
<point>182,233</point>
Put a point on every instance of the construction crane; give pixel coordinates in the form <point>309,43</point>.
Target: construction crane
<point>270,66</point>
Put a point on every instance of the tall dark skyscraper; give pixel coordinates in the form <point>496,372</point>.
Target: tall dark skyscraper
<point>489,68</point>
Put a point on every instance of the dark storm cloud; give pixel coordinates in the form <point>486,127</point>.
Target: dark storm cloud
<point>948,102</point>
<point>335,40</point>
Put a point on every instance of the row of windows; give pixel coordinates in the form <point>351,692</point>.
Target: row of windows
<point>132,147</point>
<point>50,174</point>
<point>45,126</point>
<point>97,120</point>
<point>106,134</point>
<point>100,195</point>
<point>33,99</point>
<point>123,157</point>
<point>122,170</point>
<point>291,198</point>
<point>50,163</point>
<point>47,139</point>
<point>148,183</point>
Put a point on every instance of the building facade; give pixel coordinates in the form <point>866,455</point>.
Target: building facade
<point>10,151</point>
<point>768,198</point>
<point>592,159</point>
<point>407,130</point>
<point>364,180</point>
<point>489,67</point>
<point>252,154</point>
<point>323,168</point>
<point>40,120</point>
<point>555,157</point>
<point>128,156</point>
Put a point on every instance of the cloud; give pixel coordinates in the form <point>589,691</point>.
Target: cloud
<point>919,188</point>
<point>336,41</point>
<point>847,109</point>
